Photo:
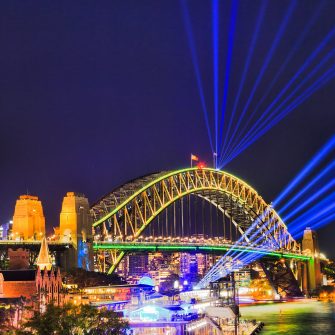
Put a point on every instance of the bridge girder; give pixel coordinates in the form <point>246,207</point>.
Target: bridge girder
<point>129,210</point>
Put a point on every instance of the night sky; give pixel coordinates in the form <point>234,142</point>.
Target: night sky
<point>95,93</point>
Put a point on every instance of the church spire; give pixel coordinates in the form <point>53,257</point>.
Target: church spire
<point>44,260</point>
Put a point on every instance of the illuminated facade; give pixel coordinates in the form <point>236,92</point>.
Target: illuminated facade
<point>28,219</point>
<point>114,296</point>
<point>75,227</point>
<point>74,218</point>
<point>45,283</point>
<point>312,273</point>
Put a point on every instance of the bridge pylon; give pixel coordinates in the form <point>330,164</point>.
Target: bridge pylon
<point>312,278</point>
<point>76,228</point>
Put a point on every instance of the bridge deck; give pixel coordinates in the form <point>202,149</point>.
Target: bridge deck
<point>201,248</point>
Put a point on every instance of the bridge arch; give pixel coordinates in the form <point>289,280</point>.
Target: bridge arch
<point>131,208</point>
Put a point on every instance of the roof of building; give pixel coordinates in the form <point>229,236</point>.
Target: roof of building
<point>44,259</point>
<point>18,275</point>
<point>146,280</point>
<point>120,286</point>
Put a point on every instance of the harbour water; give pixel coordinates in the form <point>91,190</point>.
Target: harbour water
<point>293,318</point>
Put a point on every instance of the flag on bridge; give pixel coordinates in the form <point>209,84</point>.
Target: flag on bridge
<point>194,158</point>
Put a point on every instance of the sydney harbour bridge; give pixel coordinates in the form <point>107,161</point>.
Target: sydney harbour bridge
<point>162,211</point>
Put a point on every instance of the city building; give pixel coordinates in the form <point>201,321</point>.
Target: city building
<point>113,296</point>
<point>39,285</point>
<point>242,277</point>
<point>28,219</point>
<point>137,267</point>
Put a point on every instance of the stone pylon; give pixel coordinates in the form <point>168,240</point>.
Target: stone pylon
<point>28,219</point>
<point>75,227</point>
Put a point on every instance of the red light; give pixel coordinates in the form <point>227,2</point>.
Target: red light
<point>201,165</point>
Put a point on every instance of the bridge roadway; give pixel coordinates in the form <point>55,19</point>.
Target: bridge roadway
<point>156,247</point>
<point>192,247</point>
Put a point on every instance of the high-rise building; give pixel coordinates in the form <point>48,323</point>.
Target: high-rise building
<point>189,265</point>
<point>28,219</point>
<point>137,266</point>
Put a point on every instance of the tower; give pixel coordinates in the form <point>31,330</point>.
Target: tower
<point>44,260</point>
<point>28,219</point>
<point>75,227</point>
<point>310,246</point>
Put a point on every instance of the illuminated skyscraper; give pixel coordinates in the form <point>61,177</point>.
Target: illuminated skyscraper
<point>28,219</point>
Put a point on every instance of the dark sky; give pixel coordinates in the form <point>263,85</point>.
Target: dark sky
<point>94,93</point>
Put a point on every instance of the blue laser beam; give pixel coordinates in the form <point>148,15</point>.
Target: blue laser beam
<point>236,254</point>
<point>190,38</point>
<point>308,61</point>
<point>328,169</point>
<point>228,65</point>
<point>320,155</point>
<point>260,132</point>
<point>293,51</point>
<point>257,221</point>
<point>319,211</point>
<point>245,68</point>
<point>268,58</point>
<point>215,31</point>
<point>320,223</point>
<point>312,198</point>
<point>306,79</point>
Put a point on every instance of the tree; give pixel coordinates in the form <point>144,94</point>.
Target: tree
<point>10,317</point>
<point>70,320</point>
<point>90,278</point>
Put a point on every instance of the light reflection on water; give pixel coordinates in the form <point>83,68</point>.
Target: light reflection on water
<point>173,331</point>
<point>305,318</point>
<point>299,318</point>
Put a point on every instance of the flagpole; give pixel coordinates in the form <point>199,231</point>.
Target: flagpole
<point>191,161</point>
<point>215,155</point>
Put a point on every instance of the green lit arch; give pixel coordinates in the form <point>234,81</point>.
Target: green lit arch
<point>129,209</point>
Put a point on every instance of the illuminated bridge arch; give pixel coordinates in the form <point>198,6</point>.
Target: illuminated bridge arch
<point>131,208</point>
